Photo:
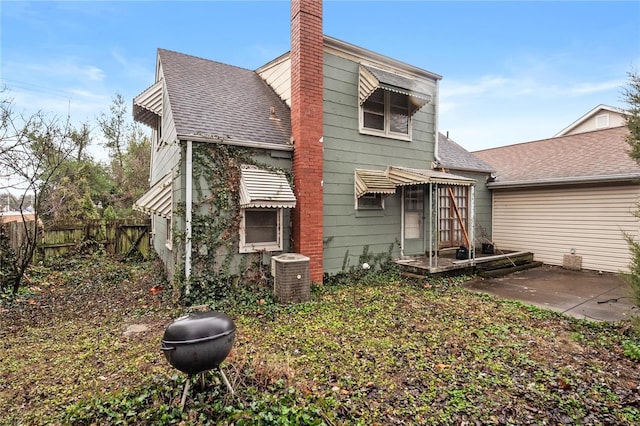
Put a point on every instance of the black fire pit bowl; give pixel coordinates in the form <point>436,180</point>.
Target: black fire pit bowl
<point>199,341</point>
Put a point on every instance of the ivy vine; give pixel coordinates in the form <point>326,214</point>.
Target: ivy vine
<point>215,225</point>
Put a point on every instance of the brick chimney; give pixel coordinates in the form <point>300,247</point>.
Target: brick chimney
<point>306,129</point>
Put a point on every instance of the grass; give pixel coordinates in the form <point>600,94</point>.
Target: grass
<point>376,350</point>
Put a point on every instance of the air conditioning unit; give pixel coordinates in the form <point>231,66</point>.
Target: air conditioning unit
<point>290,278</point>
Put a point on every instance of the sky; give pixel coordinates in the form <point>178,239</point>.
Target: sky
<point>512,71</point>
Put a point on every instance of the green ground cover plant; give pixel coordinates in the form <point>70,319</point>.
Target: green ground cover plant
<point>367,349</point>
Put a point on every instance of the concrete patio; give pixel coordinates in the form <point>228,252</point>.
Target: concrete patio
<point>581,294</point>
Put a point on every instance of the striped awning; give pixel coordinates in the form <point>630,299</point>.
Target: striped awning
<point>157,200</point>
<point>373,182</point>
<point>264,188</point>
<point>401,176</point>
<point>420,92</point>
<point>147,106</point>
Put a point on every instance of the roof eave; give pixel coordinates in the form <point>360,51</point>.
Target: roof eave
<point>581,180</point>
<point>236,142</point>
<point>467,169</point>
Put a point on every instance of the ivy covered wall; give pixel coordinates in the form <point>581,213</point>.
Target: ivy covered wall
<point>215,259</point>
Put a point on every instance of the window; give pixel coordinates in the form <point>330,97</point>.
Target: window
<point>261,229</point>
<point>371,202</point>
<point>386,113</point>
<point>602,120</point>
<point>169,242</point>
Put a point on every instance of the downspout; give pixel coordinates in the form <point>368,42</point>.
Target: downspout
<point>188,214</point>
<point>430,225</point>
<point>436,157</point>
<point>402,224</point>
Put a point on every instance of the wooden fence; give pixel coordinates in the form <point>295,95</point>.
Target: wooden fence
<point>120,237</point>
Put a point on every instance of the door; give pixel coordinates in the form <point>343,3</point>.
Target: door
<point>414,220</point>
<point>451,232</point>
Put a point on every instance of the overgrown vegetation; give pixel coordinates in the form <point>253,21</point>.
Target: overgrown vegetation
<point>47,174</point>
<point>217,269</point>
<point>370,348</point>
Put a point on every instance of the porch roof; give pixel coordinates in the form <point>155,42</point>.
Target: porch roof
<point>264,188</point>
<point>402,176</point>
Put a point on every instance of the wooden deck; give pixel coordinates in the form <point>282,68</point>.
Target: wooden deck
<point>447,263</point>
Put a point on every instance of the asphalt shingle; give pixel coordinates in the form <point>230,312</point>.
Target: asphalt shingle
<point>215,99</point>
<point>598,154</point>
<point>453,156</point>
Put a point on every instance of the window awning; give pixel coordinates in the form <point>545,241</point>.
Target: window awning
<point>157,200</point>
<point>147,106</point>
<point>371,78</point>
<point>373,182</point>
<point>264,188</point>
<point>401,176</point>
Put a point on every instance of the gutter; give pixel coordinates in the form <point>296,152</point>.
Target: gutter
<point>626,178</point>
<point>236,142</point>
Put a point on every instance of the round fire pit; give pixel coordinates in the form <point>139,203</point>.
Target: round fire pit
<point>199,342</point>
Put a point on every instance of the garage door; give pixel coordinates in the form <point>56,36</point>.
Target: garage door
<point>552,222</point>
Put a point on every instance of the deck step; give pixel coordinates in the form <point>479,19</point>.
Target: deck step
<point>414,276</point>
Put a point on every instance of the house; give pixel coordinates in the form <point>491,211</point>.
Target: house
<point>455,159</point>
<point>568,198</point>
<point>329,150</point>
<point>600,117</point>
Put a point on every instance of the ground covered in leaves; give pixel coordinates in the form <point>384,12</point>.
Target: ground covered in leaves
<point>81,345</point>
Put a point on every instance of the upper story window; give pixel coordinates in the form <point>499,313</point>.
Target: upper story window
<point>389,100</point>
<point>387,113</point>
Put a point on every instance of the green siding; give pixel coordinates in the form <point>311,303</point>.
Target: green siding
<point>346,230</point>
<point>278,160</point>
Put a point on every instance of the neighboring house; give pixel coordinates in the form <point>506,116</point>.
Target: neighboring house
<point>568,195</point>
<point>601,117</point>
<point>328,151</point>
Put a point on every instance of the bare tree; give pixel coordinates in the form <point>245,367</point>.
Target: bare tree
<point>32,150</point>
<point>114,128</point>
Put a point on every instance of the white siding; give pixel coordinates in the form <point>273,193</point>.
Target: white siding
<point>278,76</point>
<point>551,222</point>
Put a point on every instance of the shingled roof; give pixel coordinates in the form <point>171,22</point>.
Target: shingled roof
<point>219,100</point>
<point>598,156</point>
<point>453,156</point>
